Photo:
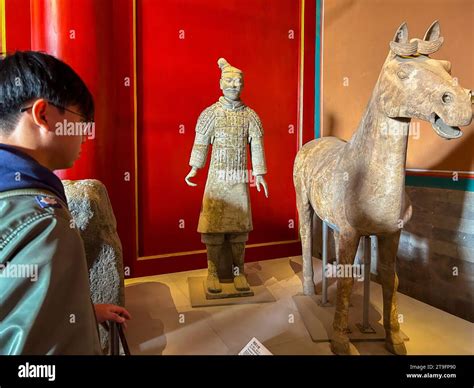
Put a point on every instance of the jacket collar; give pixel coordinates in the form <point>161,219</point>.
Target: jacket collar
<point>20,171</point>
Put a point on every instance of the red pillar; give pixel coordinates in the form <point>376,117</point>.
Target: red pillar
<point>79,33</point>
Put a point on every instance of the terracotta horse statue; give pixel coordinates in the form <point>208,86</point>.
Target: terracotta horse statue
<point>358,186</point>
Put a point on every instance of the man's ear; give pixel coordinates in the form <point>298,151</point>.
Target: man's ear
<point>38,111</point>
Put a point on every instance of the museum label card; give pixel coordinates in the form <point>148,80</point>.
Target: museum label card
<point>255,348</point>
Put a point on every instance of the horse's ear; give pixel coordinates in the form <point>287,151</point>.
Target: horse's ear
<point>432,40</point>
<point>433,32</point>
<point>401,36</point>
<point>400,44</point>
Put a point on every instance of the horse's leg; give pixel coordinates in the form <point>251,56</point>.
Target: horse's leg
<point>388,246</point>
<point>305,213</point>
<point>346,250</point>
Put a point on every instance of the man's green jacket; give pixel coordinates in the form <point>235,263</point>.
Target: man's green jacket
<point>45,305</point>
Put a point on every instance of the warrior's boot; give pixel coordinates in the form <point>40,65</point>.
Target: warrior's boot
<point>212,282</point>
<point>238,254</point>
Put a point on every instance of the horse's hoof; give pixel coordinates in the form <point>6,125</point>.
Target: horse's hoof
<point>340,344</point>
<point>308,289</point>
<point>340,348</point>
<point>398,349</point>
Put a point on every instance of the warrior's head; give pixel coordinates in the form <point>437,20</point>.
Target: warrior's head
<point>412,84</point>
<point>232,80</point>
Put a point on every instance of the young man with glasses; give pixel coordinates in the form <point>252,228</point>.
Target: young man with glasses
<point>51,312</point>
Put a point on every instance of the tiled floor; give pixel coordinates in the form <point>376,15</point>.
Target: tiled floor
<point>165,323</point>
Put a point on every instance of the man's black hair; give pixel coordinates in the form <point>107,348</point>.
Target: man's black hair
<point>29,75</point>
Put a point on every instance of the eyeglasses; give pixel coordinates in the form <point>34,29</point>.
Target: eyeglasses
<point>59,107</point>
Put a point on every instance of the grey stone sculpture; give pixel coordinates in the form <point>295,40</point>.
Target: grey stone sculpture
<point>230,126</point>
<point>358,186</point>
<point>93,215</point>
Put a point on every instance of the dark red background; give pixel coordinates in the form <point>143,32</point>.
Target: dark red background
<point>176,80</point>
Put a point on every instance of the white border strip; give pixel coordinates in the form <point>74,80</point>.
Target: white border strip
<point>439,171</point>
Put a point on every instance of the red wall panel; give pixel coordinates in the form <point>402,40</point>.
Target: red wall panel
<point>178,44</point>
<point>17,15</point>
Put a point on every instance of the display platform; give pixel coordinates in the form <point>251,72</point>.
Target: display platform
<point>165,322</point>
<point>228,296</point>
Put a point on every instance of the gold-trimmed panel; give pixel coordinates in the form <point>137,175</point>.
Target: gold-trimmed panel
<point>135,134</point>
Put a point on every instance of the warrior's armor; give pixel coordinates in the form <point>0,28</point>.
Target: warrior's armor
<point>229,127</point>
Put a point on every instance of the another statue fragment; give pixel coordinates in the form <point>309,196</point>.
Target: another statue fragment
<point>230,126</point>
<point>358,186</point>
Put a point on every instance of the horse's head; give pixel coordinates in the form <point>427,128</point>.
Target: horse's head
<point>412,84</point>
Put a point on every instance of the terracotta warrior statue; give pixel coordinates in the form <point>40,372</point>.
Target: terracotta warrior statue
<point>230,126</point>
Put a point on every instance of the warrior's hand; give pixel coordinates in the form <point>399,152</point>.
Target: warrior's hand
<point>191,174</point>
<point>260,180</point>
